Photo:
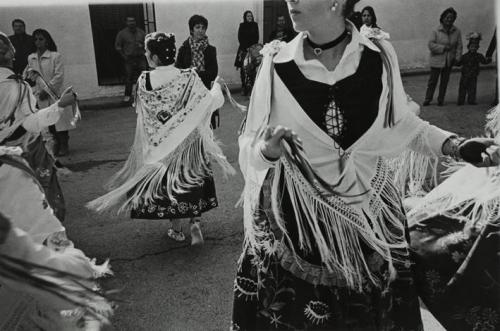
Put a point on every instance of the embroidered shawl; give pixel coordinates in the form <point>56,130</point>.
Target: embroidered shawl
<point>172,141</point>
<point>366,210</point>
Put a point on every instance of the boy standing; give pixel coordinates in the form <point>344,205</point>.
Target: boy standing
<point>470,62</point>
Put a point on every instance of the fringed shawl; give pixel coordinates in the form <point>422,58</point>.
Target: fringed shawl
<point>469,194</point>
<point>366,210</point>
<point>172,142</point>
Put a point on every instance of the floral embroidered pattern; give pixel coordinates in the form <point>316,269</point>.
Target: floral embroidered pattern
<point>317,312</point>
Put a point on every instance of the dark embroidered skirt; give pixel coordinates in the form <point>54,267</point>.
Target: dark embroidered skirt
<point>198,200</point>
<point>268,295</point>
<point>43,165</point>
<point>472,300</point>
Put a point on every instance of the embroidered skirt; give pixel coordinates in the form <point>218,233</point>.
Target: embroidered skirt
<point>198,200</point>
<point>443,251</point>
<point>43,165</point>
<point>275,289</point>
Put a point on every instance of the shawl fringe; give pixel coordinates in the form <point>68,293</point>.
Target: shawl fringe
<point>184,168</point>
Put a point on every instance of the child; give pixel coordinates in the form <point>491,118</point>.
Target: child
<point>470,62</point>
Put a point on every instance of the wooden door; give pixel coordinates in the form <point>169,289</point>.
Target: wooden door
<point>106,21</point>
<point>272,9</point>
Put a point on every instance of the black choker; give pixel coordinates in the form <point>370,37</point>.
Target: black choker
<point>318,49</point>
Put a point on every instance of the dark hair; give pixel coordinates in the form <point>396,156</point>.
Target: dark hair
<point>197,19</point>
<point>245,16</point>
<point>5,46</point>
<point>446,12</point>
<point>162,45</point>
<point>349,7</point>
<point>356,19</point>
<point>51,45</point>
<point>372,14</point>
<point>18,20</point>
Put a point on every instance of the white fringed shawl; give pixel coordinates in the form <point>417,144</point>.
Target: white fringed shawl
<point>348,220</point>
<point>169,155</point>
<point>470,194</point>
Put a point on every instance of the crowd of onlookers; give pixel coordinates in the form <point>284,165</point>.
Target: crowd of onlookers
<point>39,52</point>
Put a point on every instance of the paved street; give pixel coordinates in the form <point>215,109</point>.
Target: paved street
<point>170,286</point>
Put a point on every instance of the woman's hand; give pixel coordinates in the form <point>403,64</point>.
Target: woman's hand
<point>271,146</point>
<point>481,152</point>
<point>68,98</point>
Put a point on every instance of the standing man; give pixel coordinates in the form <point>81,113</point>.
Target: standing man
<point>130,44</point>
<point>282,32</point>
<point>23,43</point>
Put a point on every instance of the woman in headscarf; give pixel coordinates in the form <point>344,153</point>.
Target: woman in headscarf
<point>326,243</point>
<point>168,174</point>
<point>248,35</point>
<point>369,18</point>
<point>21,124</point>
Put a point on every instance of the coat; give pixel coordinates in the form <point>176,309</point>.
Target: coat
<point>439,58</point>
<point>51,67</point>
<point>184,58</point>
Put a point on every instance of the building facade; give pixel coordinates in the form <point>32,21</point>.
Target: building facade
<point>84,31</point>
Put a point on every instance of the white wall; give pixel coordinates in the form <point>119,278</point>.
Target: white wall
<point>410,23</point>
<point>223,18</point>
<point>69,26</point>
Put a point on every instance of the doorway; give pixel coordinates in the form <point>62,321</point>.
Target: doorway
<point>273,9</point>
<point>106,21</point>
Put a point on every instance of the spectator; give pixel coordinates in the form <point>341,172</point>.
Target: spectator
<point>130,44</point>
<point>470,62</point>
<point>196,52</point>
<point>248,35</point>
<point>282,32</point>
<point>23,43</point>
<point>445,47</point>
<point>368,17</point>
<point>47,62</point>
<point>356,19</point>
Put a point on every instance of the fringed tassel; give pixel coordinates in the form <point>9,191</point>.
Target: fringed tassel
<point>478,203</point>
<point>233,102</point>
<point>181,170</point>
<point>414,167</point>
<point>63,285</point>
<point>335,229</point>
<point>213,149</point>
<point>493,122</point>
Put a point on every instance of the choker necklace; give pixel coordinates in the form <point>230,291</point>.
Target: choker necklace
<point>318,49</point>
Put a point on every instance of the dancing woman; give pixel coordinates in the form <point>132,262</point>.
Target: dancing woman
<point>168,173</point>
<point>21,124</point>
<point>325,233</point>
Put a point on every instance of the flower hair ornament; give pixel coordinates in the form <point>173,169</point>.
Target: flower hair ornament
<point>474,36</point>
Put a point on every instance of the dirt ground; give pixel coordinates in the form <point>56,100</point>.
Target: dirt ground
<point>170,286</point>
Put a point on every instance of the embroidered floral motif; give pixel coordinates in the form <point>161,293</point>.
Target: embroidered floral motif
<point>457,256</point>
<point>374,33</point>
<point>317,312</point>
<point>482,319</point>
<point>245,287</point>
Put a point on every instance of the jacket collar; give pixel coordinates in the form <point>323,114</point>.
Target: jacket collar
<point>5,72</point>
<point>294,49</point>
<point>45,54</point>
<point>441,28</point>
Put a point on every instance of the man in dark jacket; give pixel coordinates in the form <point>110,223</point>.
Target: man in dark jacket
<point>282,32</point>
<point>197,53</point>
<point>23,43</point>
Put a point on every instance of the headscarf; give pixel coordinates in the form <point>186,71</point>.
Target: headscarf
<point>197,49</point>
